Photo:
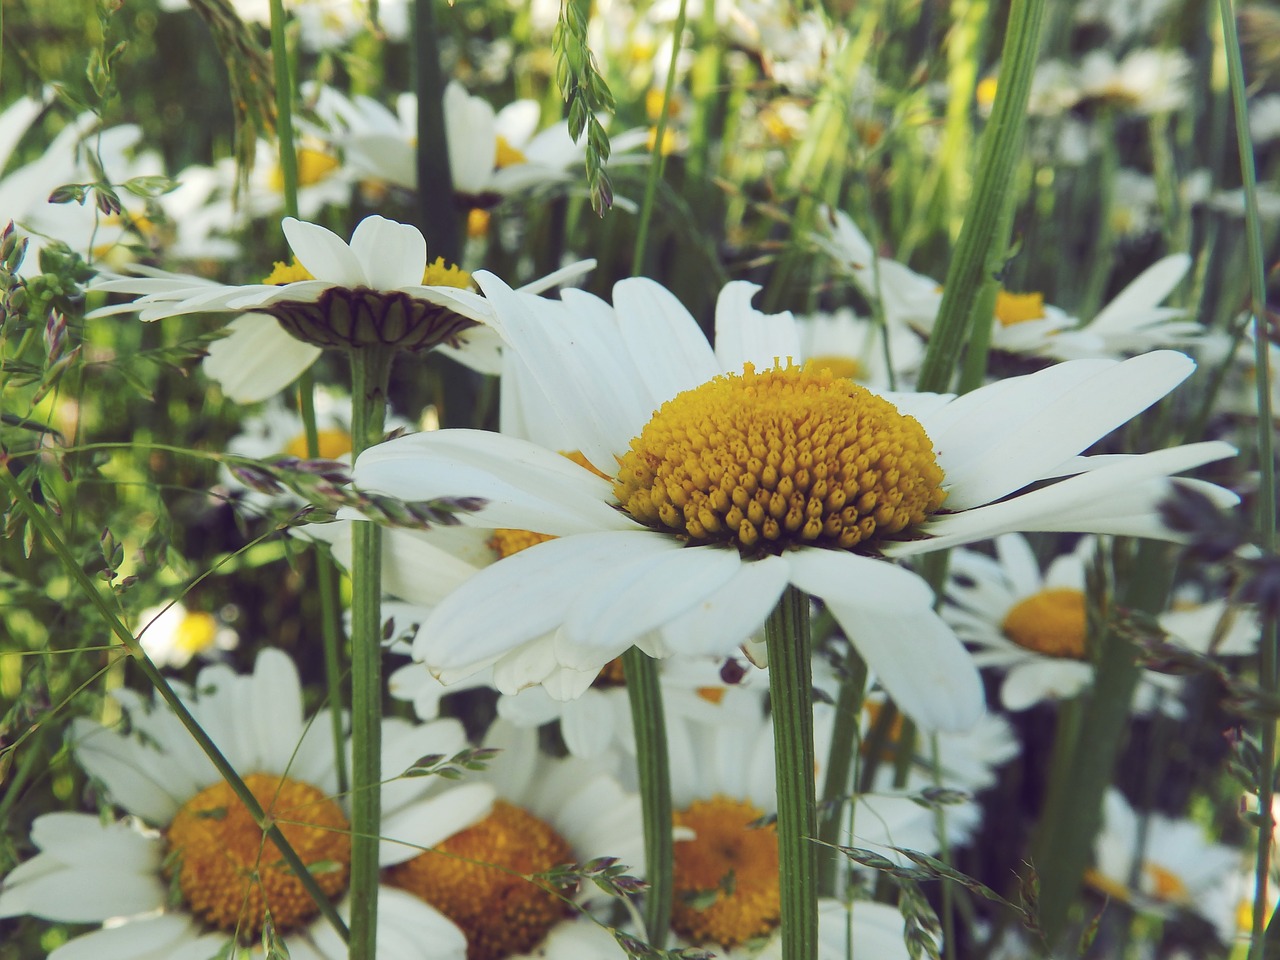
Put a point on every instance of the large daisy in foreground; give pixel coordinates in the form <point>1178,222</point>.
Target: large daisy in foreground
<point>205,876</point>
<point>730,474</point>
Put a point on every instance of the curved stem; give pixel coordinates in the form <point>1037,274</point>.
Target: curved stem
<point>791,699</point>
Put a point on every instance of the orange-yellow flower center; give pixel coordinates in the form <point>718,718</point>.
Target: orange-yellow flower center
<point>726,877</point>
<point>1165,884</point>
<point>479,879</point>
<point>505,155</point>
<point>229,874</point>
<point>789,457</point>
<point>1014,308</point>
<point>331,444</point>
<point>1051,622</point>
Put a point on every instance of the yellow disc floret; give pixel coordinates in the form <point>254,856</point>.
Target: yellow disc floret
<point>505,542</point>
<point>789,457</point>
<point>196,633</point>
<point>478,878</point>
<point>330,445</point>
<point>847,367</point>
<point>291,272</point>
<point>726,877</point>
<point>229,874</point>
<point>1015,308</point>
<point>1051,622</point>
<point>505,155</point>
<point>442,274</point>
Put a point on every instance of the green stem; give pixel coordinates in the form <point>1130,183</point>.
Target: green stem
<point>645,694</point>
<point>835,786</point>
<point>791,702</point>
<point>157,679</point>
<point>370,373</point>
<point>980,250</point>
<point>656,158</point>
<point>437,213</point>
<point>284,109</point>
<point>1268,654</point>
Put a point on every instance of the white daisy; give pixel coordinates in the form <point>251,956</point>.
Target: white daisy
<point>548,813</point>
<point>205,875</point>
<point>1032,626</point>
<point>860,349</point>
<point>1179,868</point>
<point>171,634</point>
<point>379,289</point>
<point>684,564</point>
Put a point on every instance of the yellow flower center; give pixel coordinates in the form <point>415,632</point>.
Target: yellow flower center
<point>726,877</point>
<point>483,883</point>
<point>196,632</point>
<point>506,155</point>
<point>1165,884</point>
<point>478,223</point>
<point>313,167</point>
<point>437,274</point>
<point>331,445</point>
<point>789,457</point>
<point>1014,308</point>
<point>229,874</point>
<point>847,367</point>
<point>505,542</point>
<point>986,91</point>
<point>1051,622</point>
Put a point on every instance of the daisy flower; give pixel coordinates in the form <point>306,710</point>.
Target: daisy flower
<point>203,875</point>
<point>547,813</point>
<point>859,348</point>
<point>379,289</point>
<point>723,488</point>
<point>1032,625</point>
<point>172,634</point>
<point>1178,868</point>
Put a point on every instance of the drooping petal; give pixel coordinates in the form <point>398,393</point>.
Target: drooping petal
<point>1031,681</point>
<point>408,832</point>
<point>165,935</point>
<point>723,619</point>
<point>324,254</point>
<point>258,359</point>
<point>887,614</point>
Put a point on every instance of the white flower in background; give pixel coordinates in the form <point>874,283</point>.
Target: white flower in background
<point>1178,868</point>
<point>172,635</point>
<point>1124,19</point>
<point>1264,119</point>
<point>855,347</point>
<point>547,813</point>
<point>690,545</point>
<point>379,288</point>
<point>1032,625</point>
<point>1146,81</point>
<point>208,875</point>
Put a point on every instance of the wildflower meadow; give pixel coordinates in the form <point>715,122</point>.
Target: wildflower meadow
<point>652,479</point>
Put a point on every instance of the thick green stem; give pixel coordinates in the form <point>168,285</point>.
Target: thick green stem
<point>437,213</point>
<point>791,700</point>
<point>1268,654</point>
<point>980,250</point>
<point>370,373</point>
<point>157,679</point>
<point>647,718</point>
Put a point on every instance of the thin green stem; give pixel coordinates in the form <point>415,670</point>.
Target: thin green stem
<point>437,213</point>
<point>1268,654</point>
<point>656,157</point>
<point>791,702</point>
<point>648,720</point>
<point>980,250</point>
<point>170,697</point>
<point>370,373</point>
<point>835,786</point>
<point>284,109</point>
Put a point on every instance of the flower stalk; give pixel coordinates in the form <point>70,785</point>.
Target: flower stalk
<point>791,699</point>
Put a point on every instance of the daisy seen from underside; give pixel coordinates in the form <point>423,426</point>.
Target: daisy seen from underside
<point>725,487</point>
<point>202,875</point>
<point>380,289</point>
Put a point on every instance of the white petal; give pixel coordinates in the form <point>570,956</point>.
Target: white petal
<point>527,487</point>
<point>725,618</point>
<point>132,774</point>
<point>425,566</point>
<point>432,820</point>
<point>277,715</point>
<point>523,597</point>
<point>1035,430</point>
<point>85,894</point>
<point>648,592</point>
<point>666,344</point>
<point>1145,292</point>
<point>472,142</point>
<point>324,254</point>
<point>887,613</point>
<point>1043,679</point>
<point>139,938</point>
<point>392,255</point>
<point>587,725</point>
<point>258,359</point>
<point>745,335</point>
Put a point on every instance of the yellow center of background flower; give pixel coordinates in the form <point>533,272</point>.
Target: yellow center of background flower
<point>506,542</point>
<point>1165,884</point>
<point>789,457</point>
<point>733,865</point>
<point>330,445</point>
<point>313,167</point>
<point>437,274</point>
<point>1051,622</point>
<point>483,885</point>
<point>229,874</point>
<point>1015,308</point>
<point>847,367</point>
<point>505,155</point>
<point>196,632</point>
